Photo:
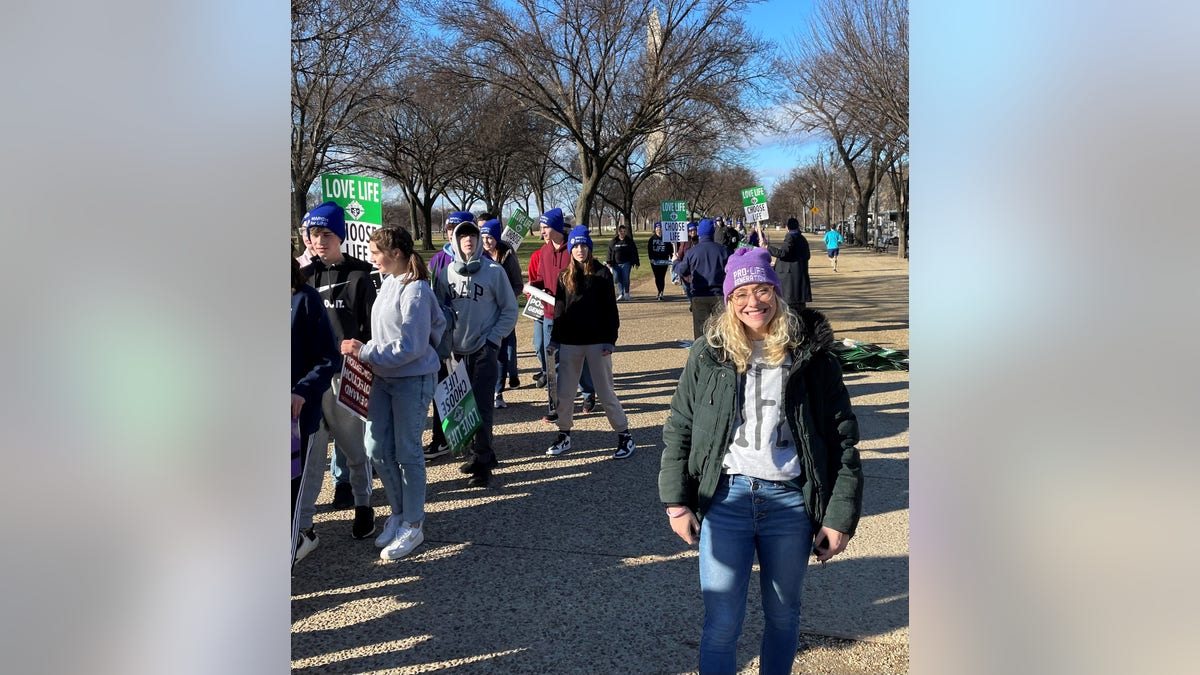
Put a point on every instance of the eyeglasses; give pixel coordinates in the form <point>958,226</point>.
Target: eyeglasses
<point>763,293</point>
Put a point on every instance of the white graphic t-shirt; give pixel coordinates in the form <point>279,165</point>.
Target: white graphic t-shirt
<point>762,445</point>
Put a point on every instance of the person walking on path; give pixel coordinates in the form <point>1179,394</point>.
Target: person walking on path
<point>348,291</point>
<point>497,250</point>
<point>622,257</point>
<point>406,323</point>
<point>791,263</point>
<point>704,267</point>
<point>485,311</point>
<point>659,253</point>
<point>437,266</point>
<point>553,258</point>
<point>760,461</point>
<point>315,361</point>
<point>833,239</point>
<point>681,250</point>
<point>585,331</point>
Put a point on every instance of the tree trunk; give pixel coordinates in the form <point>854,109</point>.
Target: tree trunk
<point>299,208</point>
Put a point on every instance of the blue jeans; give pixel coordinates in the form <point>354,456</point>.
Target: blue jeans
<point>395,419</point>
<point>337,466</point>
<point>508,361</point>
<point>750,516</point>
<point>621,276</point>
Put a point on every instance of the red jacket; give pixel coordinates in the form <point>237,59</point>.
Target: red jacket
<point>544,268</point>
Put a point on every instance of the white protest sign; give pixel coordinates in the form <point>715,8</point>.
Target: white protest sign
<point>674,221</point>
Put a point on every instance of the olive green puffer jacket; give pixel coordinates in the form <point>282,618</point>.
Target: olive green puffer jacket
<point>699,430</point>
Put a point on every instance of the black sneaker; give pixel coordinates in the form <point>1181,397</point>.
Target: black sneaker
<point>475,466</point>
<point>589,403</point>
<point>539,380</point>
<point>624,445</point>
<point>480,480</point>
<point>433,452</point>
<point>343,496</point>
<point>551,417</point>
<point>364,522</point>
<point>514,382</point>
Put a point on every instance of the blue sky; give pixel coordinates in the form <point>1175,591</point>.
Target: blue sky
<point>779,21</point>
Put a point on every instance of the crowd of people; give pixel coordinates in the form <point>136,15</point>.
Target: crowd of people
<point>760,457</point>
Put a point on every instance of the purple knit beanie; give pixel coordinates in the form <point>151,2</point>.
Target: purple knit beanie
<point>749,266</point>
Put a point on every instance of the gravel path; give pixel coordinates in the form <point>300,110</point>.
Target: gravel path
<point>566,565</point>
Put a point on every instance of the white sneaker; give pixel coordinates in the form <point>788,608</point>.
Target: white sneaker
<point>389,531</point>
<point>308,543</point>
<point>407,538</point>
<point>499,403</point>
<point>561,445</point>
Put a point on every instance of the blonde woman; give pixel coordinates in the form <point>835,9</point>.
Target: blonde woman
<point>759,460</point>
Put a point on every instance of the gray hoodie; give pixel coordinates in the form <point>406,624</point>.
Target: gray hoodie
<point>406,322</point>
<point>478,291</point>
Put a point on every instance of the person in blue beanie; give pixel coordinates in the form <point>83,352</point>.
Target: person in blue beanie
<point>585,331</point>
<point>703,266</point>
<point>497,250</point>
<point>348,287</point>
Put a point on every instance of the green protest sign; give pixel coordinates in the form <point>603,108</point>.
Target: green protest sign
<point>455,402</point>
<point>674,221</point>
<point>362,198</point>
<point>518,226</point>
<point>754,201</point>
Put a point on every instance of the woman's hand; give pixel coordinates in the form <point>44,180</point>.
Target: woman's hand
<point>297,404</point>
<point>686,526</point>
<point>829,543</point>
<point>351,347</point>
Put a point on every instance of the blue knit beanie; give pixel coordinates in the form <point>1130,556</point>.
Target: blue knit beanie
<point>579,235</point>
<point>706,229</point>
<point>492,228</point>
<point>329,216</point>
<point>553,219</point>
<point>459,217</point>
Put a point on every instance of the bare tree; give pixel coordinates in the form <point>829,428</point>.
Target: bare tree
<point>867,41</point>
<point>419,139</point>
<point>587,66</point>
<point>340,50</point>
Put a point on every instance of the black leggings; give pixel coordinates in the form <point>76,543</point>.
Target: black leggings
<point>660,272</point>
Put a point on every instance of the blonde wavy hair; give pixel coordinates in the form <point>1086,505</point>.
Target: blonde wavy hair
<point>726,333</point>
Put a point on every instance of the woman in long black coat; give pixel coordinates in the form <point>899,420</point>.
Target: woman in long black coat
<point>791,264</point>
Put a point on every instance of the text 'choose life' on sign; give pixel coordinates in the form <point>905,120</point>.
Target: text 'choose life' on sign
<point>362,199</point>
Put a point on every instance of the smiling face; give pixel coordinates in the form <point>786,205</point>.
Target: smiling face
<point>489,242</point>
<point>392,262</point>
<point>754,305</point>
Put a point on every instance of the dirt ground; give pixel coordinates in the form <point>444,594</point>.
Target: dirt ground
<point>566,564</point>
